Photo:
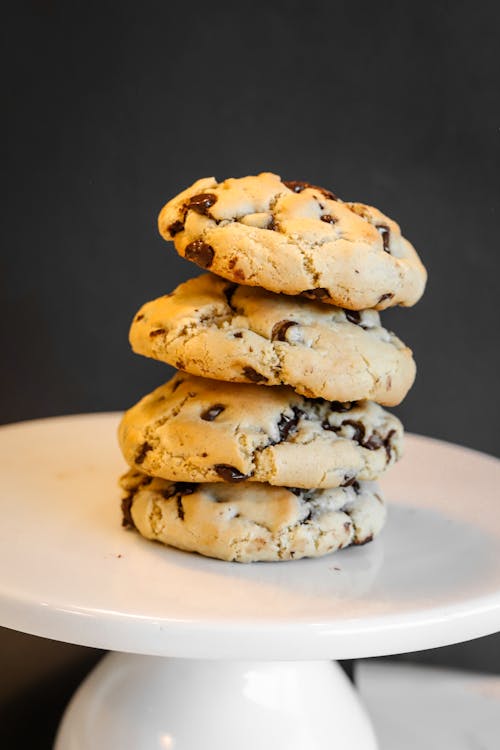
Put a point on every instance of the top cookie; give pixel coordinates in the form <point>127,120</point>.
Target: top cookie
<point>294,238</point>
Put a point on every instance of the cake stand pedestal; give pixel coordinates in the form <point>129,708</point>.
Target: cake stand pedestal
<point>220,655</point>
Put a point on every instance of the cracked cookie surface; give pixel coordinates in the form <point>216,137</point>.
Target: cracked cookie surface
<point>216,329</point>
<point>197,430</point>
<point>294,238</point>
<point>249,521</point>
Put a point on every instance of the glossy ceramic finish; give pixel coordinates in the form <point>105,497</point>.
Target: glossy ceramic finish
<point>68,571</point>
<point>131,702</point>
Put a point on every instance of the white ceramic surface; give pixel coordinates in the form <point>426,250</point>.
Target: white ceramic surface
<point>415,707</point>
<point>134,702</point>
<point>68,571</point>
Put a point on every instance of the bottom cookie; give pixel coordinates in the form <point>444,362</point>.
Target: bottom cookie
<point>249,522</point>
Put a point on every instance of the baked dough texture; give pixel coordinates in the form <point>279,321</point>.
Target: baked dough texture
<point>249,522</point>
<point>227,468</point>
<point>197,430</point>
<point>294,238</point>
<point>216,329</point>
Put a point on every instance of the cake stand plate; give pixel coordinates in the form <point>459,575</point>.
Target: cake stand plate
<point>68,571</point>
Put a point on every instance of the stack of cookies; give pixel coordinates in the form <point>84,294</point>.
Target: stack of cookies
<point>267,444</point>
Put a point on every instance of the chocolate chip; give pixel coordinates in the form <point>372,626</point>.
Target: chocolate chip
<point>348,481</point>
<point>287,423</point>
<point>359,430</point>
<point>338,407</point>
<point>209,414</point>
<point>366,540</point>
<point>374,442</point>
<point>273,224</point>
<point>279,329</point>
<point>168,492</point>
<point>201,203</point>
<point>297,186</point>
<point>156,332</point>
<point>353,316</point>
<point>327,193</point>
<point>319,293</point>
<point>342,406</point>
<point>386,233</point>
<point>238,335</point>
<point>178,488</point>
<point>200,253</point>
<point>175,228</point>
<point>388,295</point>
<point>254,376</point>
<point>230,473</point>
<point>328,219</point>
<point>180,508</point>
<point>388,444</point>
<point>141,453</point>
<point>127,520</point>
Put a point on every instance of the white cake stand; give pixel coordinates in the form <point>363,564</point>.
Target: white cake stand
<point>249,646</point>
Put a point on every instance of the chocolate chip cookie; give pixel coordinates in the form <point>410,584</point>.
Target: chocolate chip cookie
<point>197,430</point>
<point>220,330</point>
<point>249,521</point>
<point>294,238</point>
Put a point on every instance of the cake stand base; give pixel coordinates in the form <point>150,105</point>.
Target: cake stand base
<point>131,701</point>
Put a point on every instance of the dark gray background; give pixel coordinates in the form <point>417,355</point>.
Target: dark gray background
<point>115,107</point>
